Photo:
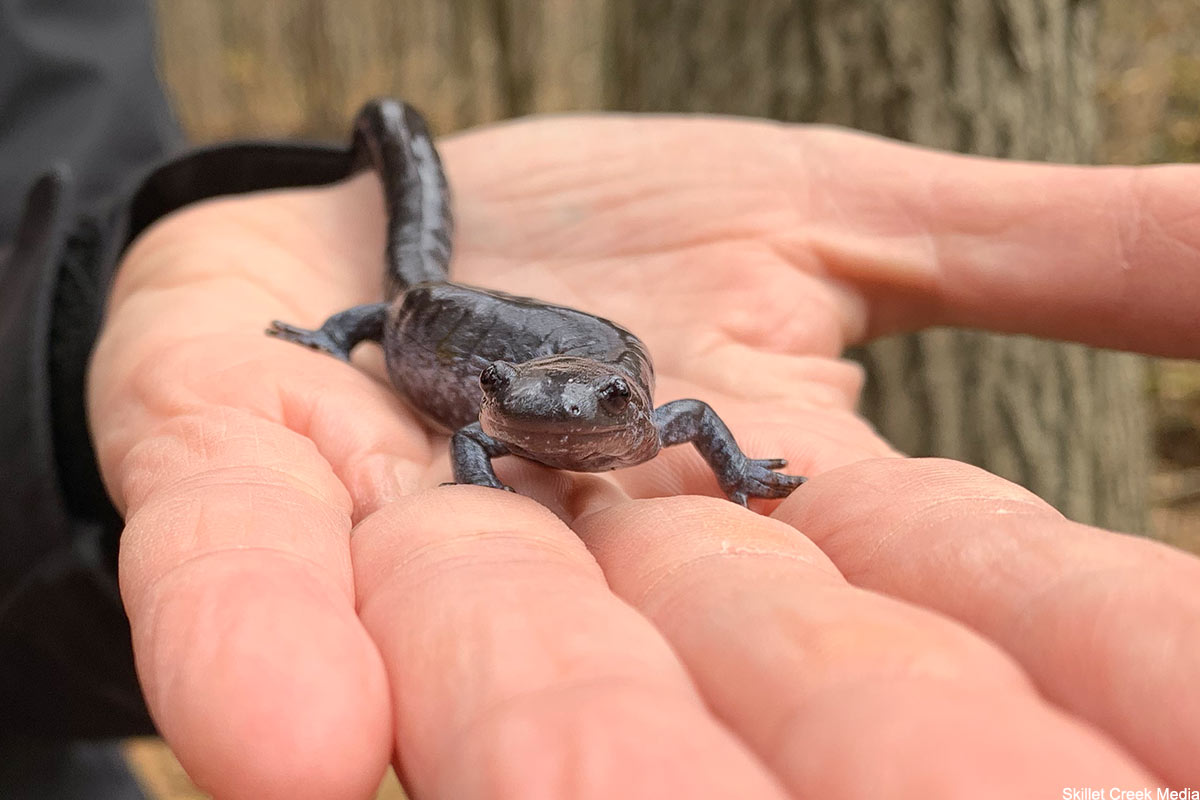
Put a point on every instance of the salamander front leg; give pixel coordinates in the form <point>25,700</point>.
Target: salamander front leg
<point>740,477</point>
<point>340,333</point>
<point>471,453</point>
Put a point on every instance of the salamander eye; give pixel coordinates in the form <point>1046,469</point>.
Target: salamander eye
<point>495,377</point>
<point>614,395</point>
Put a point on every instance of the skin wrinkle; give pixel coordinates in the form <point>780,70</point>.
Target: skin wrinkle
<point>329,234</point>
<point>1024,614</point>
<point>557,177</point>
<point>1137,209</point>
<point>561,288</point>
<point>846,309</point>
<point>446,555</point>
<point>192,500</point>
<point>659,344</point>
<point>382,481</point>
<point>652,246</point>
<point>701,346</point>
<point>172,257</point>
<point>424,575</point>
<point>1040,601</point>
<point>841,430</point>
<point>777,328</point>
<point>680,569</point>
<point>149,396</point>
<point>662,514</point>
<point>625,281</point>
<point>195,446</point>
<point>287,242</point>
<point>177,264</point>
<point>907,221</point>
<point>1084,744</point>
<point>177,491</point>
<point>721,326</point>
<point>146,590</point>
<point>149,260</point>
<point>578,495</point>
<point>555,184</point>
<point>965,226</point>
<point>620,169</point>
<point>376,480</point>
<point>258,281</point>
<point>739,384</point>
<point>942,510</point>
<point>294,407</point>
<point>862,264</point>
<point>297,412</point>
<point>564,551</point>
<point>775,750</point>
<point>710,347</point>
<point>302,411</point>
<point>1127,224</point>
<point>544,696</point>
<point>164,400</point>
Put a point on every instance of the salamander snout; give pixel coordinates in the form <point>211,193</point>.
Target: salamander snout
<point>497,377</point>
<point>561,392</point>
<point>569,412</point>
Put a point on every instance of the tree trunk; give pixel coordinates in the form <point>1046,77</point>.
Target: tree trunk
<point>1011,78</point>
<point>996,77</point>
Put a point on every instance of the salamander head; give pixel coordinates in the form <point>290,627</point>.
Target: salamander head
<point>569,413</point>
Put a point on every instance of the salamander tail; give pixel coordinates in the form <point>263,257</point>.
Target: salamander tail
<point>392,138</point>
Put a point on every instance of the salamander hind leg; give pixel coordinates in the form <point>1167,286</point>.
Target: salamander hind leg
<point>340,333</point>
<point>739,476</point>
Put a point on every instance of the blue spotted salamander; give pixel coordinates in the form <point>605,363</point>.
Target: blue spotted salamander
<point>505,374</point>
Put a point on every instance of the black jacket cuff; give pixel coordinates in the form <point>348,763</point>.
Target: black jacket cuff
<point>65,662</point>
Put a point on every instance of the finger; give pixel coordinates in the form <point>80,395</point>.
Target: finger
<point>1105,256</point>
<point>235,574</point>
<point>235,562</point>
<point>844,693</point>
<point>515,671</point>
<point>1108,626</point>
<point>186,330</point>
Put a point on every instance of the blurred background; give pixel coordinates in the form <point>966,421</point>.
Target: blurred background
<point>1110,439</point>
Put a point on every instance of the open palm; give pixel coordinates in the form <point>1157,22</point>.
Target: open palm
<point>307,605</point>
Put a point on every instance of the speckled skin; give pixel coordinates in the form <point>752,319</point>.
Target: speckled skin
<point>504,374</point>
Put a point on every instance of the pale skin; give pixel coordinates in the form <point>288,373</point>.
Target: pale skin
<point>308,604</point>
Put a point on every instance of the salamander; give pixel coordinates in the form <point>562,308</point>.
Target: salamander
<point>505,374</point>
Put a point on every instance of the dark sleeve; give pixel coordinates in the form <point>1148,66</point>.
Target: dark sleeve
<point>100,139</point>
<point>77,86</point>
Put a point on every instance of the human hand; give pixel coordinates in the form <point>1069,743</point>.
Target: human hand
<point>895,627</point>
